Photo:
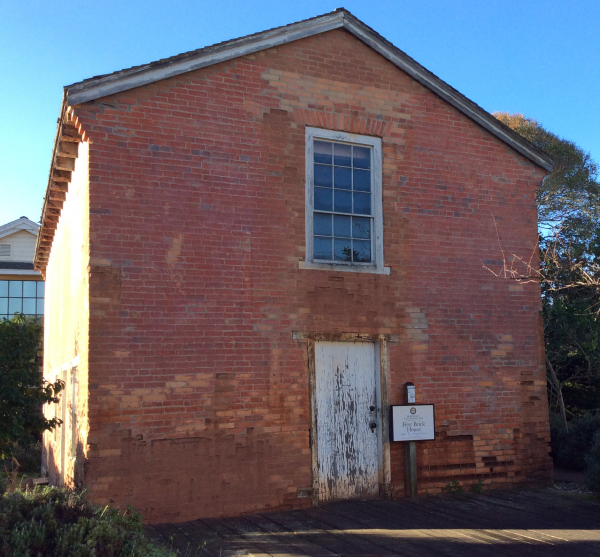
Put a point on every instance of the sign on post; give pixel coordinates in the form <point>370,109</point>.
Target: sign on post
<point>412,422</point>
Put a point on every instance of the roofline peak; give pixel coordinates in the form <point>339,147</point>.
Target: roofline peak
<point>139,76</point>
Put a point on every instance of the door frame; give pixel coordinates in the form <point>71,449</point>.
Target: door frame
<point>64,400</point>
<point>382,385</point>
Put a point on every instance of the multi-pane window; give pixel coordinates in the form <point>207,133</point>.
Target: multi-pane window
<point>342,219</point>
<point>22,296</point>
<point>344,208</point>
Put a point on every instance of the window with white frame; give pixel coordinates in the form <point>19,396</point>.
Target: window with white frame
<point>344,225</point>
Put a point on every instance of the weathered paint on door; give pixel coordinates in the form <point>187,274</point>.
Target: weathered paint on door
<point>346,413</point>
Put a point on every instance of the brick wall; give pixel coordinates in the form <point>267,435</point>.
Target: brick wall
<point>198,396</point>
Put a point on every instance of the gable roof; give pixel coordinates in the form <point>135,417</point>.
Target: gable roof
<point>101,86</point>
<point>22,223</point>
<point>69,133</point>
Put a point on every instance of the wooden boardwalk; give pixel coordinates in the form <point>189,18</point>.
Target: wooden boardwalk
<point>531,523</point>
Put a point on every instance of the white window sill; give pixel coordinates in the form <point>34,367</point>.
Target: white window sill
<point>345,268</point>
<point>20,272</point>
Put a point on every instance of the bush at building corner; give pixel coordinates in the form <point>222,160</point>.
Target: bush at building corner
<point>592,460</point>
<point>29,457</point>
<point>54,522</point>
<point>569,449</point>
<point>22,388</point>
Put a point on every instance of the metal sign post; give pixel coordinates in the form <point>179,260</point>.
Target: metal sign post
<point>410,450</point>
<point>410,423</point>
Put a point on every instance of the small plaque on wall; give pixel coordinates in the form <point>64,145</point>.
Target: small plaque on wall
<point>412,422</point>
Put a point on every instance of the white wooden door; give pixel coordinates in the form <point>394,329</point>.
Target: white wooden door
<point>346,414</point>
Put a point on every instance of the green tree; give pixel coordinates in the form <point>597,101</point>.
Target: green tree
<point>23,390</point>
<point>569,245</point>
<point>570,196</point>
<point>570,301</point>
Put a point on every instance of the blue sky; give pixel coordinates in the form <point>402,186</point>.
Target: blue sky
<point>540,58</point>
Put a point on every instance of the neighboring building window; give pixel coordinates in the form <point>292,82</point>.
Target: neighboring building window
<point>344,225</point>
<point>21,296</point>
<point>5,251</point>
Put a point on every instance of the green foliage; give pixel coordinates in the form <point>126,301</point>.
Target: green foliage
<point>571,193</point>
<point>477,487</point>
<point>569,227</point>
<point>454,488</point>
<point>569,449</point>
<point>29,457</point>
<point>572,339</point>
<point>592,461</point>
<point>22,387</point>
<point>53,522</point>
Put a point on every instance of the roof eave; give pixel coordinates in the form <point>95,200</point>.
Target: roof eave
<point>18,226</point>
<point>142,75</point>
<point>95,88</point>
<point>68,131</point>
<point>446,92</point>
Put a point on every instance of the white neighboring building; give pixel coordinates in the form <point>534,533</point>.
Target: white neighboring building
<point>21,288</point>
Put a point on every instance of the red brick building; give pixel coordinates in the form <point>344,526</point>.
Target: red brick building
<point>250,248</point>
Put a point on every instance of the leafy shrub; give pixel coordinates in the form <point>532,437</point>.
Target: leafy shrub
<point>29,457</point>
<point>23,390</point>
<point>477,487</point>
<point>570,449</point>
<point>54,522</point>
<point>592,460</point>
<point>454,488</point>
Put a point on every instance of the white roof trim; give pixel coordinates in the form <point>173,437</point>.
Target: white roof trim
<point>95,88</point>
<point>20,272</point>
<point>17,225</point>
<point>142,75</point>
